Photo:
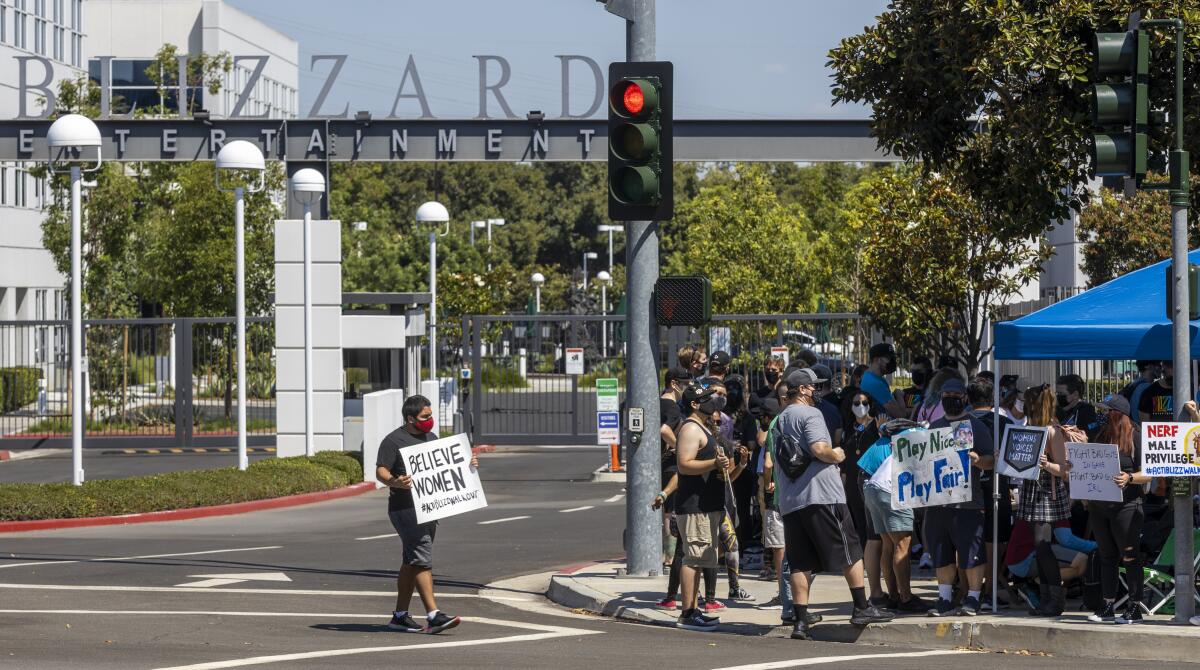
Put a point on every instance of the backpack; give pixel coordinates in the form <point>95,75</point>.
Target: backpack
<point>791,455</point>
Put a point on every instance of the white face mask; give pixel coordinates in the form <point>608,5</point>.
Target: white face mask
<point>860,410</point>
<point>1019,405</point>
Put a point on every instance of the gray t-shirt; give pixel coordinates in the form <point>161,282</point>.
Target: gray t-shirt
<point>821,483</point>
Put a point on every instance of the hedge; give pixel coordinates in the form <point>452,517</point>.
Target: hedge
<point>18,387</point>
<point>270,478</point>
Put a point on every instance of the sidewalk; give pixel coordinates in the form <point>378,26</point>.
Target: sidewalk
<point>598,588</point>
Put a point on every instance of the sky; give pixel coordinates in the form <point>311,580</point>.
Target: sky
<point>733,58</point>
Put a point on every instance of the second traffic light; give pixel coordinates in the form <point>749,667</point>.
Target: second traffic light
<point>640,140</point>
<point>1120,109</point>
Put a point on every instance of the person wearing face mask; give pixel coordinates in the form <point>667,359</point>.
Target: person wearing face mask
<point>415,538</point>
<point>699,501</point>
<point>1073,410</point>
<point>859,434</point>
<point>921,371</point>
<point>1148,373</point>
<point>1157,402</point>
<point>956,533</point>
<point>818,530</point>
<point>1012,398</point>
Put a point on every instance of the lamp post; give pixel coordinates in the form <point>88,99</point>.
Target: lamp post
<point>433,212</point>
<point>245,156</point>
<point>476,224</point>
<point>490,223</point>
<point>610,229</point>
<point>308,185</point>
<point>587,255</point>
<point>68,135</point>
<point>538,279</point>
<point>605,279</point>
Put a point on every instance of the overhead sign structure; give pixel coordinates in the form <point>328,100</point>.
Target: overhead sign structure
<point>443,481</point>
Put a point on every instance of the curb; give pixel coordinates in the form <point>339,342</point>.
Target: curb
<point>602,474</point>
<point>1154,643</point>
<point>5,455</point>
<point>190,513</point>
<point>483,449</point>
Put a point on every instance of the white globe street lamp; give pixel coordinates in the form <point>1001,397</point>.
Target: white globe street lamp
<point>244,156</point>
<point>433,212</point>
<point>308,187</point>
<point>66,139</point>
<point>538,279</point>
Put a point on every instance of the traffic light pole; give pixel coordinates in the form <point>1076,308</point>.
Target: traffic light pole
<point>1185,603</point>
<point>643,525</point>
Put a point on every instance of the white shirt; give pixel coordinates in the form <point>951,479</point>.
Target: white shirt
<point>882,479</point>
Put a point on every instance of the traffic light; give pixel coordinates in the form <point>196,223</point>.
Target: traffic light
<point>639,142</point>
<point>1120,109</point>
<point>683,301</point>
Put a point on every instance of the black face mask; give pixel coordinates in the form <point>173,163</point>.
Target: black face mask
<point>891,366</point>
<point>920,378</point>
<point>720,402</point>
<point>1063,401</point>
<point>772,377</point>
<point>954,406</point>
<point>708,407</point>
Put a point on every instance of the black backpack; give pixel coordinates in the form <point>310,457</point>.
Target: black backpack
<point>791,455</point>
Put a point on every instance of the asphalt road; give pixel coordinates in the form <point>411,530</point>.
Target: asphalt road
<point>56,467</point>
<point>111,597</point>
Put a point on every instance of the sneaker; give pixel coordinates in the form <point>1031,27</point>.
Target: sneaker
<point>913,605</point>
<point>800,631</point>
<point>870,614</point>
<point>1195,621</point>
<point>740,595</point>
<point>772,604</point>
<point>941,608</point>
<point>405,624</point>
<point>881,602</point>
<point>768,575</point>
<point>1106,614</point>
<point>926,562</point>
<point>1133,614</point>
<point>667,604</point>
<point>812,618</point>
<point>713,605</point>
<point>441,622</point>
<point>696,621</point>
<point>986,604</point>
<point>969,607</point>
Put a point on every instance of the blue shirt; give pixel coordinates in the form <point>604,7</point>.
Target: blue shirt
<point>875,456</point>
<point>876,387</point>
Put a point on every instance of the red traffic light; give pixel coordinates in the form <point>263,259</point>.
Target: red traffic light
<point>633,98</point>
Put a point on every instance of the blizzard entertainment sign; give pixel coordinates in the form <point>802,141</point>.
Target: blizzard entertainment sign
<point>409,87</point>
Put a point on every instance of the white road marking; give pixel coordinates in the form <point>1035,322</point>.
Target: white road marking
<point>134,558</point>
<point>549,632</point>
<point>185,612</point>
<point>803,662</point>
<point>377,537</point>
<point>507,518</point>
<point>180,589</point>
<point>235,578</point>
<point>615,498</point>
<point>576,509</point>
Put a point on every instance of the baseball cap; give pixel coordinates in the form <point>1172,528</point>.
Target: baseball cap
<point>823,371</point>
<point>1116,402</point>
<point>720,358</point>
<point>695,393</point>
<point>676,374</point>
<point>803,377</point>
<point>883,349</point>
<point>953,385</point>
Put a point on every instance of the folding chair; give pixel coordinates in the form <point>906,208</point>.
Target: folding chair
<point>1159,577</point>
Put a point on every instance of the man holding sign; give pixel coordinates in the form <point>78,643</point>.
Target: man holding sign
<point>956,531</point>
<point>416,538</point>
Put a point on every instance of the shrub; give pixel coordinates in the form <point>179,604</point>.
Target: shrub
<point>18,387</point>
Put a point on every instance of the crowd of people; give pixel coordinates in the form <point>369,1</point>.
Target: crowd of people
<point>788,461</point>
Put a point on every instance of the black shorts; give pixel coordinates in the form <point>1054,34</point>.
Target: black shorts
<point>416,538</point>
<point>955,536</point>
<point>1006,523</point>
<point>820,538</point>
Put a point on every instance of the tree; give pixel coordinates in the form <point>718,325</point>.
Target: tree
<point>205,73</point>
<point>755,249</point>
<point>935,267</point>
<point>997,92</point>
<point>1120,235</point>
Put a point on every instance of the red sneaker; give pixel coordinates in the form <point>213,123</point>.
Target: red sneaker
<point>712,606</point>
<point>667,604</point>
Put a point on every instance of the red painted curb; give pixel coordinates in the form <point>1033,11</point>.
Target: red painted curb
<point>484,449</point>
<point>4,455</point>
<point>572,569</point>
<point>191,513</point>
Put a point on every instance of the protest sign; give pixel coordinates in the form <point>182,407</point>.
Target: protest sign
<point>443,481</point>
<point>932,467</point>
<point>1171,449</point>
<point>1020,450</point>
<point>1093,467</point>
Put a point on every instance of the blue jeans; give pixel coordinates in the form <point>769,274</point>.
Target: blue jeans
<point>785,590</point>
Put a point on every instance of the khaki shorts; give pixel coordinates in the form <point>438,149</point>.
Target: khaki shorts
<point>699,533</point>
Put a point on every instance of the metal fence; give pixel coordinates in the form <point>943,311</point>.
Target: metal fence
<point>167,378</point>
<point>521,390</point>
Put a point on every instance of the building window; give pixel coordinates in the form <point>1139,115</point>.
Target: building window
<point>18,187</point>
<point>18,24</point>
<point>3,184</point>
<point>133,89</point>
<point>3,22</point>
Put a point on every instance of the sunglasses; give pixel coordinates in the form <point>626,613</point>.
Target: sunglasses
<point>860,404</point>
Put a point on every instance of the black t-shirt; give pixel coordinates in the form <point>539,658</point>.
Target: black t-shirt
<point>1082,415</point>
<point>1158,403</point>
<point>857,438</point>
<point>669,413</point>
<point>389,457</point>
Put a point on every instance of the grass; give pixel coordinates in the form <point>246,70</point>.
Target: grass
<point>271,478</point>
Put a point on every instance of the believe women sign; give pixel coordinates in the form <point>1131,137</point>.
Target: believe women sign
<point>443,481</point>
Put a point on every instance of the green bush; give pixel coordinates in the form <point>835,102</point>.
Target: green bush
<point>264,479</point>
<point>498,376</point>
<point>18,387</point>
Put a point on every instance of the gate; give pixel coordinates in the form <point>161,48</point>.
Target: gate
<point>521,392</point>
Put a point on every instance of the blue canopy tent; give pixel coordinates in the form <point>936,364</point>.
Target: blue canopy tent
<point>1124,319</point>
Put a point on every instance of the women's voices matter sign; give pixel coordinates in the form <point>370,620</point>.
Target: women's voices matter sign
<point>1020,451</point>
<point>1171,449</point>
<point>443,481</point>
<point>932,467</point>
